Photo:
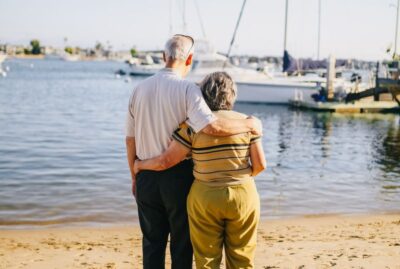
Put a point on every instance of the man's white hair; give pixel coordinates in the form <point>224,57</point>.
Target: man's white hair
<point>178,48</point>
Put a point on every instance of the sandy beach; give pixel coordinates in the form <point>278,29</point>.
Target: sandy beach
<point>371,241</point>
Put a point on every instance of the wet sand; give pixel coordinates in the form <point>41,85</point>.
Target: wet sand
<point>371,241</point>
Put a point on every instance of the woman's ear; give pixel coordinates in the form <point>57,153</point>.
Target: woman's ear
<point>189,59</point>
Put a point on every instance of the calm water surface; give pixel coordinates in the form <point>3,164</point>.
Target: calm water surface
<point>62,152</point>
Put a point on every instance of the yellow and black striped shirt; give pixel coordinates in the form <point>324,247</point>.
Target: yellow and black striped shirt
<point>219,161</point>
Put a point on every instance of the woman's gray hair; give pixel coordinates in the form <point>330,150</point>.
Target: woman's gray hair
<point>178,48</point>
<point>219,91</point>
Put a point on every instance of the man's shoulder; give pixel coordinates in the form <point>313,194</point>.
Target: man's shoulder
<point>158,82</point>
<point>184,83</point>
<point>192,87</point>
<point>146,81</point>
<point>144,84</point>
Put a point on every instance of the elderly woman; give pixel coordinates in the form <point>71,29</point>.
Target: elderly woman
<point>223,203</point>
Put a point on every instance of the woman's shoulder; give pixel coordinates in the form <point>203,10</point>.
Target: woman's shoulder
<point>230,114</point>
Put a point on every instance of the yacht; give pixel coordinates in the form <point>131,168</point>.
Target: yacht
<point>279,88</point>
<point>253,86</point>
<point>145,65</point>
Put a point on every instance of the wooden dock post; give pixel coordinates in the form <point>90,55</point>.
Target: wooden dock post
<point>330,77</point>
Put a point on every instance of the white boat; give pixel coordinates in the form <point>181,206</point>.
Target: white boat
<point>144,66</point>
<point>71,57</point>
<point>253,86</point>
<point>3,57</point>
<point>282,89</point>
<point>275,91</point>
<point>145,70</point>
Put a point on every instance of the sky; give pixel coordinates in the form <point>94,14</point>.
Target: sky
<point>361,29</point>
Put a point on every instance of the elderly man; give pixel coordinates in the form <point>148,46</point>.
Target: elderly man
<point>156,108</point>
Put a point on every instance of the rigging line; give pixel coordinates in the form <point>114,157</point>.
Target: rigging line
<point>180,4</point>
<point>200,19</point>
<point>319,29</point>
<point>234,33</point>
<point>184,16</point>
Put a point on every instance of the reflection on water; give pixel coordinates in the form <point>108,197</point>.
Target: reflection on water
<point>62,153</point>
<point>387,156</point>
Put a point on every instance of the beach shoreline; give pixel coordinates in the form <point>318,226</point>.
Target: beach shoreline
<point>317,241</point>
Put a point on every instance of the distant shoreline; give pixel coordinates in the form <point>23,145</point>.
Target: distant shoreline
<point>43,57</point>
<point>27,56</point>
<point>369,241</point>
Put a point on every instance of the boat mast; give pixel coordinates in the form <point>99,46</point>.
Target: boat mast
<point>286,19</point>
<point>397,26</point>
<point>234,33</point>
<point>285,53</point>
<point>319,28</point>
<point>200,19</point>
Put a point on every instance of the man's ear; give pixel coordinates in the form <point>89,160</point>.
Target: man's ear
<point>163,56</point>
<point>189,59</point>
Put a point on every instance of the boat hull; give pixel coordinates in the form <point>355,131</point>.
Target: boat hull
<point>270,93</point>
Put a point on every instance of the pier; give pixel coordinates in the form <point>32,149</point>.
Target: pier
<point>356,107</point>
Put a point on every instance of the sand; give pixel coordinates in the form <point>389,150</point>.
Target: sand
<point>371,241</point>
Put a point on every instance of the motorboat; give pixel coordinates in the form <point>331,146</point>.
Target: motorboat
<point>145,65</point>
<point>253,86</point>
<point>71,57</point>
<point>275,91</point>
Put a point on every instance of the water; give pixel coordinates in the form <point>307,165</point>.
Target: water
<point>62,152</point>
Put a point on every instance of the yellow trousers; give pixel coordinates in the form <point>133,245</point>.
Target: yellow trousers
<point>223,217</point>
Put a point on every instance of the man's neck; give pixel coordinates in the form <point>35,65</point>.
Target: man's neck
<point>176,67</point>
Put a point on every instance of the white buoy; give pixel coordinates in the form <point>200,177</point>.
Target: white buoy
<point>31,65</point>
<point>117,76</point>
<point>7,68</point>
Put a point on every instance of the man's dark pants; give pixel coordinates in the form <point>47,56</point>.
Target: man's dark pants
<point>161,199</point>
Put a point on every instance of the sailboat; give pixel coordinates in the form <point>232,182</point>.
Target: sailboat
<point>275,90</point>
<point>282,88</point>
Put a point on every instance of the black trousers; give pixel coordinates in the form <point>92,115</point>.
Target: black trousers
<point>161,199</point>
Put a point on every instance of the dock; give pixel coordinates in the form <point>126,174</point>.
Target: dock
<point>383,98</point>
<point>354,107</point>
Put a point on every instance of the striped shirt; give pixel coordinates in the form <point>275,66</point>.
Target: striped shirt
<point>219,161</point>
